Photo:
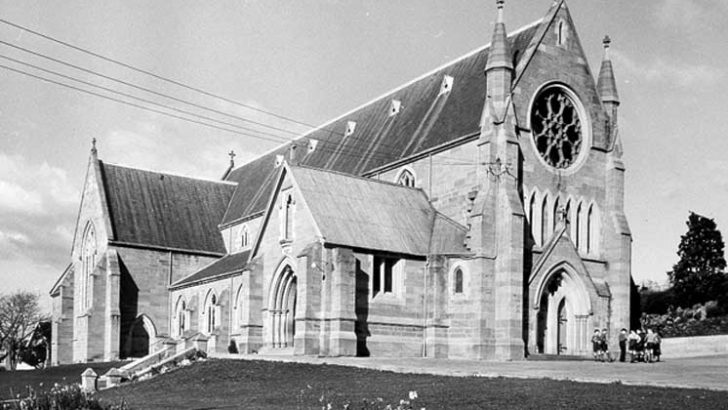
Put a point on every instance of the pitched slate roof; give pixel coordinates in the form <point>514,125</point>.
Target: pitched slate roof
<point>229,264</point>
<point>156,209</point>
<point>427,119</point>
<point>369,214</point>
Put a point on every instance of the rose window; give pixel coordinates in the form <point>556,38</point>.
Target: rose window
<point>556,128</point>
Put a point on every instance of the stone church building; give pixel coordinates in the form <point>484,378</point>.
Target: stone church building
<point>474,212</point>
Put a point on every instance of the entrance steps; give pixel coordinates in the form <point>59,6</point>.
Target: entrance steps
<point>171,354</point>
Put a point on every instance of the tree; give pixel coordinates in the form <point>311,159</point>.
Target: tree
<point>19,315</point>
<point>699,274</point>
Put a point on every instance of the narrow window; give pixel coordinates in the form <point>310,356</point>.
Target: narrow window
<point>589,229</point>
<point>556,213</point>
<point>531,210</point>
<point>544,220</point>
<point>211,314</point>
<point>287,217</point>
<point>560,39</point>
<point>385,275</point>
<point>458,280</point>
<point>577,240</point>
<point>244,237</point>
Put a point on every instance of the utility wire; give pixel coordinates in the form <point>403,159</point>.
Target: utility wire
<point>157,76</point>
<point>133,104</point>
<point>341,150</point>
<point>67,64</point>
<point>135,97</point>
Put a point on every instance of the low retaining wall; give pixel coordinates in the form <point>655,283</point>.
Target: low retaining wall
<point>694,346</point>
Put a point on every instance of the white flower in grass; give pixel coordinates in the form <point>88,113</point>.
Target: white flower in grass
<point>413,394</point>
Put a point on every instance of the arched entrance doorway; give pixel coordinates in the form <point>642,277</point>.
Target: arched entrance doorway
<point>282,309</point>
<point>140,338</point>
<point>562,317</point>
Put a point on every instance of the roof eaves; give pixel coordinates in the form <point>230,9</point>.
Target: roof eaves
<point>60,279</point>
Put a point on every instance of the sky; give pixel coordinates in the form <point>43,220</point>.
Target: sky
<point>311,61</point>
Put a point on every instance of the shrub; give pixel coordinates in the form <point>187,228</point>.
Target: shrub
<point>60,398</point>
<point>656,301</point>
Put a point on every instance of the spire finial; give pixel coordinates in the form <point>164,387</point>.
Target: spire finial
<point>500,4</point>
<point>232,158</point>
<point>94,151</point>
<point>607,42</point>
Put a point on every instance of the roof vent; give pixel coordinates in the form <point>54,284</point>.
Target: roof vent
<point>312,145</point>
<point>395,107</point>
<point>350,127</point>
<point>446,85</point>
<point>279,160</point>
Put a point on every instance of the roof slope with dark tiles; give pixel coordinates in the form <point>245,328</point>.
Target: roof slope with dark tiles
<point>229,264</point>
<point>427,119</point>
<point>156,209</point>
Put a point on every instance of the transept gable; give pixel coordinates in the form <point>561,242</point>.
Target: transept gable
<point>363,213</point>
<point>93,208</point>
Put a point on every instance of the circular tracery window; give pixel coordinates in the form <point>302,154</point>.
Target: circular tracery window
<point>556,127</point>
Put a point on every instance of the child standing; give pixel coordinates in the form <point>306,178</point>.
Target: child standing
<point>596,344</point>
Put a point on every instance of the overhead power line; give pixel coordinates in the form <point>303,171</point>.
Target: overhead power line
<point>144,100</point>
<point>133,104</point>
<point>157,76</point>
<point>128,84</point>
<point>349,152</point>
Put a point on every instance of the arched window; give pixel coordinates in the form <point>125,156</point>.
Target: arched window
<point>211,309</point>
<point>578,237</point>
<point>458,281</point>
<point>591,231</point>
<point>531,212</point>
<point>244,237</point>
<point>181,316</point>
<point>287,220</point>
<point>567,211</point>
<point>406,178</point>
<point>88,260</point>
<point>544,219</point>
<point>556,213</point>
<point>239,317</point>
<point>560,34</point>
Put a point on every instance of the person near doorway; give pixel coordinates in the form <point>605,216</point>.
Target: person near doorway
<point>606,356</point>
<point>623,345</point>
<point>597,344</point>
<point>633,339</point>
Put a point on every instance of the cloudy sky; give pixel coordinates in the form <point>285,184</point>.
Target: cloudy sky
<point>313,60</point>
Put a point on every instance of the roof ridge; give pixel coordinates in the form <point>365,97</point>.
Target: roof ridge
<point>344,174</point>
<point>398,88</point>
<point>147,170</point>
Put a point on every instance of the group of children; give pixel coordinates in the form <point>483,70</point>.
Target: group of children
<point>642,346</point>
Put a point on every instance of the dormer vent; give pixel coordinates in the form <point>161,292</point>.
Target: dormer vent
<point>350,127</point>
<point>279,160</point>
<point>395,107</point>
<point>312,145</point>
<point>446,85</point>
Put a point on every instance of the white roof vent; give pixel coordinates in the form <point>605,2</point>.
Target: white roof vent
<point>395,107</point>
<point>350,127</point>
<point>446,85</point>
<point>279,160</point>
<point>312,145</point>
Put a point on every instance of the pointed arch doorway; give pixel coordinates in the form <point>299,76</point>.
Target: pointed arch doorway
<point>282,309</point>
<point>563,312</point>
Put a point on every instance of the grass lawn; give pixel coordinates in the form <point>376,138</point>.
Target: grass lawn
<point>232,384</point>
<point>18,381</point>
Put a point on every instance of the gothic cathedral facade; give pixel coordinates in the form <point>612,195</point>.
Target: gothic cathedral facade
<point>474,212</point>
